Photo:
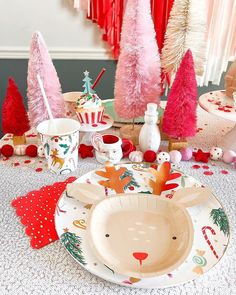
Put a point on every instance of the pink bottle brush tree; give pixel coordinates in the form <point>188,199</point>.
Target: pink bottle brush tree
<point>40,63</point>
<point>179,119</point>
<point>138,69</point>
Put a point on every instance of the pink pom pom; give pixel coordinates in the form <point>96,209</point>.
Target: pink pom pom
<point>175,156</point>
<point>228,156</point>
<point>186,153</point>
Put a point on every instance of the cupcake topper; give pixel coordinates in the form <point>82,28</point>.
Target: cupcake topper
<point>98,78</point>
<point>87,85</point>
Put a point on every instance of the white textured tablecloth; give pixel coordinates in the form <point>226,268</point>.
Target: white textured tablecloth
<point>51,270</point>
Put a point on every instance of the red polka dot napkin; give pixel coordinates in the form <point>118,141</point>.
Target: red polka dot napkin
<point>36,211</point>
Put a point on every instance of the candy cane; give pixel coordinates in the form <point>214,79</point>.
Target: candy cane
<point>204,228</point>
<point>96,140</point>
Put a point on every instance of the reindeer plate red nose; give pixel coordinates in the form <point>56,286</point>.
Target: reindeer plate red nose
<point>140,256</point>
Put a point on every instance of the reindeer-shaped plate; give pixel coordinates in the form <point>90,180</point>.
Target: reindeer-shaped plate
<point>94,231</point>
<point>140,235</point>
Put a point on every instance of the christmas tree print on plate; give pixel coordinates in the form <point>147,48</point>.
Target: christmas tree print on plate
<point>77,215</point>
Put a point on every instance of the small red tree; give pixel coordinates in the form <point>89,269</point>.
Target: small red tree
<point>14,115</point>
<point>180,114</point>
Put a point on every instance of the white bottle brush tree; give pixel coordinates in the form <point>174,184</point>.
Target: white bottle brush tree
<point>186,29</point>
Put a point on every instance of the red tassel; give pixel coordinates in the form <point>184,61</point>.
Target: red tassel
<point>108,14</point>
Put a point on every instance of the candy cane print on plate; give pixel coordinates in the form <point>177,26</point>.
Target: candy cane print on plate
<point>204,228</point>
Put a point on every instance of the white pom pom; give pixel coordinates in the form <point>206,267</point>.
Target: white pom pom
<point>216,153</point>
<point>19,150</point>
<point>41,151</point>
<point>163,157</point>
<point>136,156</point>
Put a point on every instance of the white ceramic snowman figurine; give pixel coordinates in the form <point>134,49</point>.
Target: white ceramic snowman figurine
<point>149,137</point>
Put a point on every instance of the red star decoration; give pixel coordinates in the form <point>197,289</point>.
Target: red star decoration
<point>200,156</point>
<point>86,151</point>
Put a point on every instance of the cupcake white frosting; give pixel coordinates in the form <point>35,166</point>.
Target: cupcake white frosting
<point>89,100</point>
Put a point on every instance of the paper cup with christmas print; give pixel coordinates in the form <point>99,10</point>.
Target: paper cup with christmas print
<point>60,140</point>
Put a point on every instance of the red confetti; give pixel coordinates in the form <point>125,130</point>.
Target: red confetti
<point>205,167</point>
<point>95,125</point>
<point>154,166</point>
<point>103,122</point>
<point>27,161</point>
<point>131,188</point>
<point>39,169</point>
<point>6,139</point>
<point>208,173</point>
<point>16,164</point>
<point>196,167</point>
<point>224,172</point>
<point>199,129</point>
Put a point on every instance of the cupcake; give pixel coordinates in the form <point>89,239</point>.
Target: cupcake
<point>89,108</point>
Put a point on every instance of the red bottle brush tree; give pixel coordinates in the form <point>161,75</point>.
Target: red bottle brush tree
<point>179,119</point>
<point>14,115</point>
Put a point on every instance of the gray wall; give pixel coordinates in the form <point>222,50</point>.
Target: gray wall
<point>70,73</point>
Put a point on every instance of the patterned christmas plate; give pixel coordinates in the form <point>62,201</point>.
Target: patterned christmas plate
<point>217,103</point>
<point>210,223</point>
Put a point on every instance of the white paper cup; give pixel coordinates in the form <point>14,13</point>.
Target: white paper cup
<point>60,141</point>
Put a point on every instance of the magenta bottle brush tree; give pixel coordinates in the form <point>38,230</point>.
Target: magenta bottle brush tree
<point>138,69</point>
<point>179,119</point>
<point>40,63</point>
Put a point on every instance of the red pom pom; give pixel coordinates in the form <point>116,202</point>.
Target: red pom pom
<point>7,150</point>
<point>150,156</point>
<point>31,151</point>
<point>127,147</point>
